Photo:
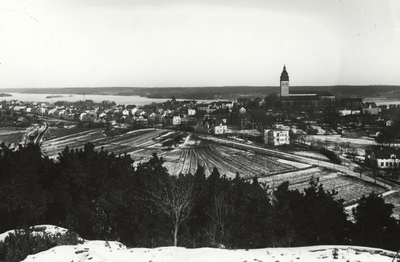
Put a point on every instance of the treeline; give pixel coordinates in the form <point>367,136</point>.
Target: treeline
<point>363,90</point>
<point>103,196</point>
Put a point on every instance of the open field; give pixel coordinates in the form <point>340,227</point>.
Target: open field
<point>348,188</point>
<point>181,157</point>
<point>186,153</point>
<point>227,160</point>
<point>76,138</point>
<point>11,135</point>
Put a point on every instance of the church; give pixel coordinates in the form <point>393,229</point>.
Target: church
<point>301,99</point>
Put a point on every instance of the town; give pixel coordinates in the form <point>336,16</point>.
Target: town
<point>199,131</point>
<point>314,118</point>
<point>306,167</point>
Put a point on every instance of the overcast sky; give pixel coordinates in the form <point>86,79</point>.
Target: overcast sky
<point>89,43</point>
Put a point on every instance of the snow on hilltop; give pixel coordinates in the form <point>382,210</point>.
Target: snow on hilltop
<point>112,251</point>
<point>96,251</point>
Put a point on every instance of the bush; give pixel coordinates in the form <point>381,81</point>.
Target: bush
<point>331,155</point>
<point>18,245</point>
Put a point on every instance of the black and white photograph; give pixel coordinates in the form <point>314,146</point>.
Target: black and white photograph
<point>199,130</point>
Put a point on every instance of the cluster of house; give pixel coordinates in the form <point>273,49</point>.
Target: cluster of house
<point>182,115</point>
<point>46,109</point>
<point>355,106</point>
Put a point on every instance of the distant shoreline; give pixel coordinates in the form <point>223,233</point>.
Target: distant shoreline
<point>56,96</point>
<point>118,99</point>
<point>4,95</point>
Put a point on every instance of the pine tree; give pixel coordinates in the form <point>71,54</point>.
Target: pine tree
<point>374,224</point>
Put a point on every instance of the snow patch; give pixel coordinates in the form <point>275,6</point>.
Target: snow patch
<point>38,230</point>
<point>294,164</point>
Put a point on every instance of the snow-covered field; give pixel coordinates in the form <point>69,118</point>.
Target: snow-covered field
<point>338,139</point>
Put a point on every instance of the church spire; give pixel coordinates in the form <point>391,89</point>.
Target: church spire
<point>284,74</point>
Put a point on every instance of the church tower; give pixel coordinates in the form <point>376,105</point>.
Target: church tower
<point>284,83</point>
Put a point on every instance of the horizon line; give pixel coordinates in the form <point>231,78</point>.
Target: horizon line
<point>9,88</point>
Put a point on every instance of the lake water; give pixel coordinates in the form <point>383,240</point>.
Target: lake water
<point>387,102</point>
<point>119,100</point>
<point>125,100</point>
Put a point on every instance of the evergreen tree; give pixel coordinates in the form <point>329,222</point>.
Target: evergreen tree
<point>22,198</point>
<point>374,224</point>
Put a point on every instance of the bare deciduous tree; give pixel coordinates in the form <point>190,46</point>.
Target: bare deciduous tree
<point>216,231</point>
<point>174,198</point>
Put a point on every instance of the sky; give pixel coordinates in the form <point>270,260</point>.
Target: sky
<point>191,43</point>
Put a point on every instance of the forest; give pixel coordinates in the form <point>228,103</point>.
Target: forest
<point>100,195</point>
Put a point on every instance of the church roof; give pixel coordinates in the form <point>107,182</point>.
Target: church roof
<point>284,74</point>
<point>300,98</point>
<point>323,93</point>
<point>311,92</point>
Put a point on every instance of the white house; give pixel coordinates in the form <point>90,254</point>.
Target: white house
<point>42,111</point>
<point>276,137</point>
<point>88,116</point>
<point>63,114</point>
<point>21,109</point>
<point>137,111</point>
<point>219,127</point>
<point>176,120</point>
<point>54,112</point>
<point>384,158</point>
<point>125,112</point>
<point>142,120</point>
<point>344,112</point>
<point>369,108</point>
